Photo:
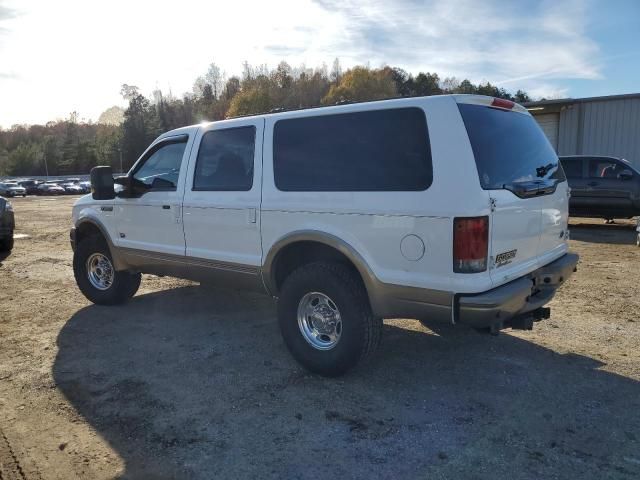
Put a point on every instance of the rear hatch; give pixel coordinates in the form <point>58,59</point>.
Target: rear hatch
<point>526,184</point>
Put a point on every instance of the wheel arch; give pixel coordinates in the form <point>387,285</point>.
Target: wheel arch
<point>89,226</point>
<point>324,244</point>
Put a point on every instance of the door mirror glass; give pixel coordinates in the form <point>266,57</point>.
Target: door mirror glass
<point>102,183</point>
<point>625,174</point>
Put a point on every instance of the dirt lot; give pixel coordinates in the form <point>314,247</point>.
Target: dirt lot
<point>188,382</point>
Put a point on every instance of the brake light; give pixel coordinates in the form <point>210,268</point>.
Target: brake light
<point>502,103</point>
<point>470,244</point>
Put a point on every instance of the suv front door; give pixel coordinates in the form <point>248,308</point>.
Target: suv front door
<point>151,219</point>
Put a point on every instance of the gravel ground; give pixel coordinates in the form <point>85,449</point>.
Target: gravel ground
<point>188,382</point>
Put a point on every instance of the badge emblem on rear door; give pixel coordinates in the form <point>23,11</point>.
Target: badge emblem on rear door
<point>505,258</point>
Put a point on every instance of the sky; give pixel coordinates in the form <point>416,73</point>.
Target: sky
<point>61,56</point>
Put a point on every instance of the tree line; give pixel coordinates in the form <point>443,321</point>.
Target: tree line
<point>119,136</point>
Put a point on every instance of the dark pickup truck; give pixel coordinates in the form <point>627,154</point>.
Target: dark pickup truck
<point>602,186</point>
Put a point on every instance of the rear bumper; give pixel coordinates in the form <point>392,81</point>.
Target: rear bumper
<point>498,307</point>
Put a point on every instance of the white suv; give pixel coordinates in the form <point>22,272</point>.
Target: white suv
<point>447,208</point>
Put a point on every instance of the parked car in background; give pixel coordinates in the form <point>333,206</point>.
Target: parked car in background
<point>11,189</point>
<point>31,186</point>
<point>7,225</point>
<point>86,186</point>
<point>72,188</point>
<point>50,189</point>
<point>602,186</point>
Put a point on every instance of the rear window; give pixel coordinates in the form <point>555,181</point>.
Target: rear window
<point>381,150</point>
<point>509,147</point>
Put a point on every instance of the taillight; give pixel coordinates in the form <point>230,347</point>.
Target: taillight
<point>470,244</point>
<point>503,103</point>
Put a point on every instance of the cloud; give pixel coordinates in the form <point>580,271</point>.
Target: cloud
<point>6,13</point>
<point>536,45</point>
<point>512,45</point>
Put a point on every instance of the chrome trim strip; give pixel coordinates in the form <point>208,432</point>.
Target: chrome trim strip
<point>191,261</point>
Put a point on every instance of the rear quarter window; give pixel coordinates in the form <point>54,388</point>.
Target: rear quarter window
<point>509,147</point>
<point>380,150</point>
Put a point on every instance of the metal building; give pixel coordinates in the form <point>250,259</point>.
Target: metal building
<point>598,125</point>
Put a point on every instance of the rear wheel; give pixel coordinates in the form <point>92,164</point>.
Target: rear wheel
<point>325,318</point>
<point>96,276</point>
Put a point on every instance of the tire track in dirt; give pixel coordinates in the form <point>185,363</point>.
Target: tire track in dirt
<point>10,467</point>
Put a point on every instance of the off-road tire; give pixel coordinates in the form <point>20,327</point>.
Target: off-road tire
<point>6,244</point>
<point>361,331</point>
<point>125,284</point>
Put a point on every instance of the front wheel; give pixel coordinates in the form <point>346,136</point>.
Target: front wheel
<point>325,318</point>
<point>96,277</point>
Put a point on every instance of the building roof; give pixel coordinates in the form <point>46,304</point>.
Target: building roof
<point>562,101</point>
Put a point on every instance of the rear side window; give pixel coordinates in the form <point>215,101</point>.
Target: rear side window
<point>509,147</point>
<point>572,167</point>
<point>225,160</point>
<point>381,150</point>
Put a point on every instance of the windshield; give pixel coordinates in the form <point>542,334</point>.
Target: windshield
<point>509,148</point>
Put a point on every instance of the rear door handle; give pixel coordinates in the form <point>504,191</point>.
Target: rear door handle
<point>166,207</point>
<point>593,184</point>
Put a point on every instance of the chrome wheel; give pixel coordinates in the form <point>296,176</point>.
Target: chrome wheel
<point>100,271</point>
<point>319,321</point>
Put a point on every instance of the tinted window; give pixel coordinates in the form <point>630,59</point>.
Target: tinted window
<point>509,147</point>
<point>225,160</point>
<point>572,167</point>
<point>162,168</point>
<point>382,150</point>
<point>605,168</point>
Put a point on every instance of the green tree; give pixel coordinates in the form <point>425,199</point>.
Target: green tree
<point>361,84</point>
<point>427,84</point>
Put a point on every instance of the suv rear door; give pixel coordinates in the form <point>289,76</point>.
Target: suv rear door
<point>519,167</point>
<point>223,194</point>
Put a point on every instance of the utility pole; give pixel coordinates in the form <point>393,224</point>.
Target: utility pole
<point>46,168</point>
<point>120,150</point>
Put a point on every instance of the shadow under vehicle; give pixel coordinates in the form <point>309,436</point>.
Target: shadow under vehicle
<point>196,383</point>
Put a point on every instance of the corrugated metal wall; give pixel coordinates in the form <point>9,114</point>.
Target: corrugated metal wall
<point>607,127</point>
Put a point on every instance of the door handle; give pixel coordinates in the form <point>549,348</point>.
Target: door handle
<point>593,184</point>
<point>166,207</point>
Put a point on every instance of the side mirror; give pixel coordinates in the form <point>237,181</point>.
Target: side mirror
<point>102,183</point>
<point>625,175</point>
